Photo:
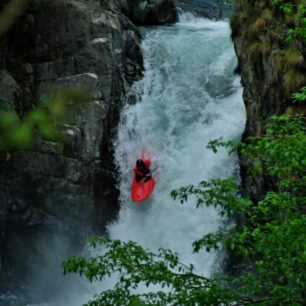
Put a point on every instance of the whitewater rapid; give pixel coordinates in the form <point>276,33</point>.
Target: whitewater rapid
<point>189,95</point>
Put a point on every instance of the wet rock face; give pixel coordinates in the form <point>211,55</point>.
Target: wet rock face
<point>63,189</point>
<point>150,12</point>
<point>264,96</point>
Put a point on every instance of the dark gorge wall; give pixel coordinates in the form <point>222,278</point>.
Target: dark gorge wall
<point>55,194</point>
<point>272,66</point>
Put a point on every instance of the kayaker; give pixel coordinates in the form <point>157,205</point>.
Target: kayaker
<point>142,171</point>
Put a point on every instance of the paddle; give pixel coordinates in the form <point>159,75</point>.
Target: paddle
<point>153,170</point>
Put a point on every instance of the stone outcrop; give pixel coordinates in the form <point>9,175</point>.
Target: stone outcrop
<point>65,189</point>
<point>150,12</point>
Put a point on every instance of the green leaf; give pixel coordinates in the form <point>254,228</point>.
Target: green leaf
<point>21,137</point>
<point>8,120</point>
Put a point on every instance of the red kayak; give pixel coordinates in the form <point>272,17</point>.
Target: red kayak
<point>141,191</point>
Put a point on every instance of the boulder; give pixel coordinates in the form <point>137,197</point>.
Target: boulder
<point>150,12</point>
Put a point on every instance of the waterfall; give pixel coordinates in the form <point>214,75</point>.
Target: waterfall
<point>189,95</point>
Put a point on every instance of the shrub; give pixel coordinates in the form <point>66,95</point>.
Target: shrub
<point>258,49</point>
<point>293,81</point>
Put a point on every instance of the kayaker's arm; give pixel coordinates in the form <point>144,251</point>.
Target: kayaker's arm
<point>144,178</point>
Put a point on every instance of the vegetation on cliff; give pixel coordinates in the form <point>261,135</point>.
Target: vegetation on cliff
<point>276,29</point>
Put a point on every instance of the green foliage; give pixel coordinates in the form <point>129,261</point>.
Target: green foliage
<point>294,80</point>
<point>287,8</point>
<point>292,12</point>
<point>216,192</point>
<point>281,150</point>
<point>274,238</point>
<point>298,31</point>
<point>133,266</point>
<point>296,9</point>
<point>300,96</point>
<point>272,241</point>
<point>18,133</point>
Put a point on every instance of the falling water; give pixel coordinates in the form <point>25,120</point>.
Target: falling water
<point>189,95</point>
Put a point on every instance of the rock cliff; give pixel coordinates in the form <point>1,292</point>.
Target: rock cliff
<point>150,12</point>
<point>272,65</point>
<point>52,194</point>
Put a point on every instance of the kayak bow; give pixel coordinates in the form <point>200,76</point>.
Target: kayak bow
<point>141,191</point>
